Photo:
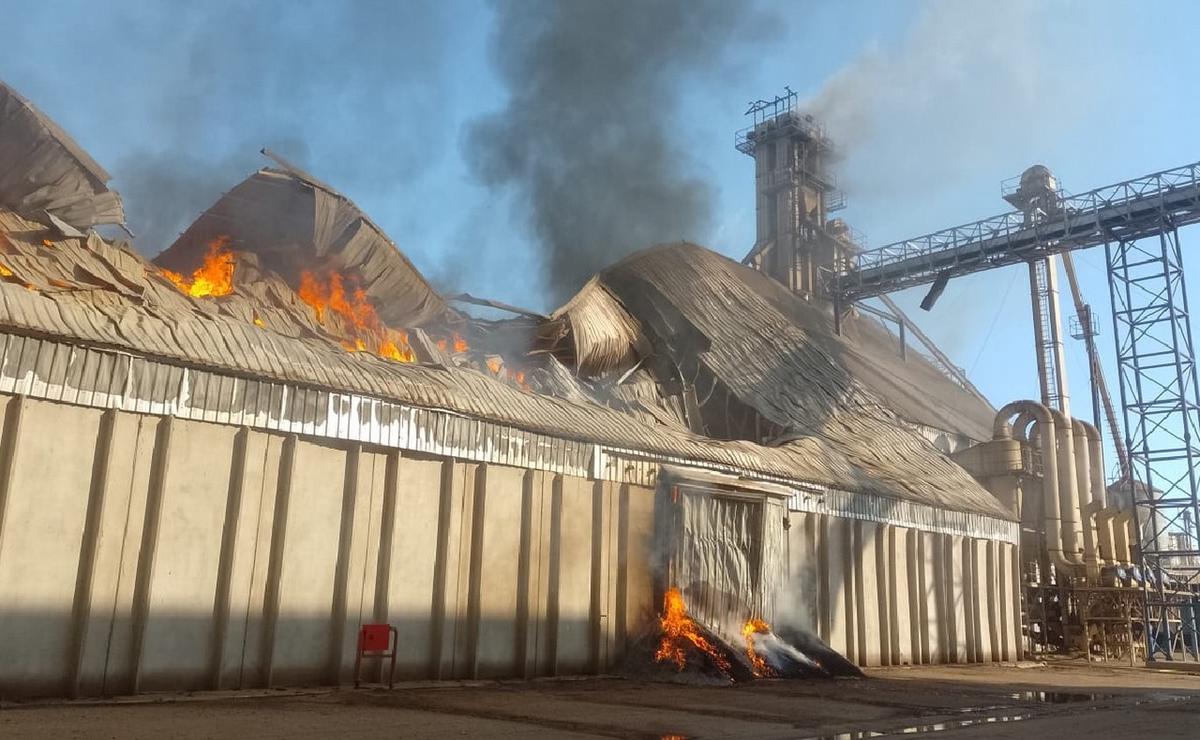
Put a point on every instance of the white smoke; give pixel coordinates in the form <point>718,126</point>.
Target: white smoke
<point>971,94</point>
<point>967,77</point>
<point>781,656</point>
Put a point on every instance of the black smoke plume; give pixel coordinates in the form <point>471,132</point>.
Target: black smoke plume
<point>591,140</point>
<point>348,90</point>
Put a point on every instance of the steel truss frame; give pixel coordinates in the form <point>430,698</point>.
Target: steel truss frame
<point>1132,208</point>
<point>1160,403</point>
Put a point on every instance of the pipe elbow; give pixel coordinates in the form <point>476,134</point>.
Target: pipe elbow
<point>1002,429</point>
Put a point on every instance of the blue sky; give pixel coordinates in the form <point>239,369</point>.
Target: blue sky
<point>934,103</point>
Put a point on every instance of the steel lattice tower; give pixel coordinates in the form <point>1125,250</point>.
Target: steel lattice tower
<point>1160,401</point>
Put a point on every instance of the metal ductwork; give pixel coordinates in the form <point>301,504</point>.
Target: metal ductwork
<point>1083,533</point>
<point>1068,489</point>
<point>1051,478</point>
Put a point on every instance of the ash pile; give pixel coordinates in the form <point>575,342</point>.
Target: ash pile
<point>683,650</point>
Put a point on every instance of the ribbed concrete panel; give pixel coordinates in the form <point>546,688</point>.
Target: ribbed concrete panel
<point>871,606</point>
<point>899,620</point>
<point>839,584</point>
<point>412,562</point>
<point>935,636</point>
<point>305,563</point>
<point>498,509</point>
<point>186,551</point>
<point>636,605</point>
<point>169,553</point>
<point>43,511</point>
<point>800,601</point>
<point>571,575</point>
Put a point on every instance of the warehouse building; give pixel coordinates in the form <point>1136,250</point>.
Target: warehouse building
<point>214,467</point>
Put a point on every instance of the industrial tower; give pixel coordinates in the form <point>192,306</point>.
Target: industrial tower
<point>795,193</point>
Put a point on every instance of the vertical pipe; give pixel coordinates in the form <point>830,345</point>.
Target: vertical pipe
<point>1083,478</point>
<point>1047,434</point>
<point>1099,505</point>
<point>1055,315</point>
<point>1122,524</point>
<point>1068,489</point>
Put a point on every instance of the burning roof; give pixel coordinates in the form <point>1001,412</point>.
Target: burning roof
<point>675,352</point>
<point>295,224</point>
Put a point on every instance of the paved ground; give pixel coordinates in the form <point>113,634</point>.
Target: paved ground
<point>1058,701</point>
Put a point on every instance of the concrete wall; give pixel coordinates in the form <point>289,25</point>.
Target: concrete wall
<point>142,553</point>
<point>139,553</point>
<point>886,595</point>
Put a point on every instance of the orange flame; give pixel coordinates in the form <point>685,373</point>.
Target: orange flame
<point>758,665</point>
<point>328,297</point>
<point>214,277</point>
<point>5,271</point>
<point>398,348</point>
<point>456,341</point>
<point>678,631</point>
<point>314,294</point>
<point>494,364</point>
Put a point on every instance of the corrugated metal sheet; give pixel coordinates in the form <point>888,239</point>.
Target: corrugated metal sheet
<point>727,553</point>
<point>43,169</point>
<point>604,335</point>
<point>297,223</point>
<point>778,355</point>
<point>102,296</point>
<point>57,371</point>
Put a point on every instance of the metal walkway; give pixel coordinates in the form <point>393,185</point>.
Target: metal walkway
<point>1127,211</point>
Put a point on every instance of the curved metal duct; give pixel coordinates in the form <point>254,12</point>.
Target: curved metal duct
<point>1051,501</point>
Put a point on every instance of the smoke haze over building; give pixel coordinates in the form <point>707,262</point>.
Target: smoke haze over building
<point>589,137</point>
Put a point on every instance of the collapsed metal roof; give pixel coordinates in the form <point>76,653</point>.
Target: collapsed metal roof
<point>293,223</point>
<point>675,352</point>
<point>92,292</point>
<point>779,352</point>
<point>43,170</point>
